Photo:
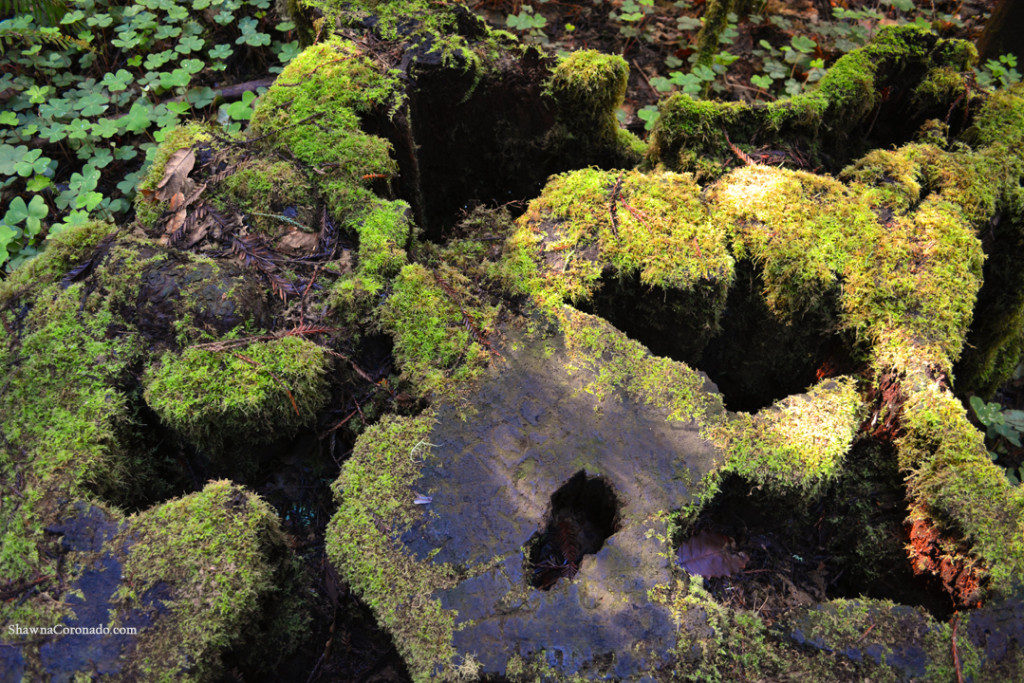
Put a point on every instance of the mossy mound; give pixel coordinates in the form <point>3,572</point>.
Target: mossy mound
<point>239,397</point>
<point>72,440</point>
<point>617,242</point>
<point>871,97</point>
<point>228,582</point>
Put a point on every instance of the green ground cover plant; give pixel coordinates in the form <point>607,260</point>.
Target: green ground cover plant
<point>87,95</point>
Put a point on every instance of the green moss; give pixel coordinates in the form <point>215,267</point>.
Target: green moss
<point>312,113</point>
<point>689,134</point>
<point>63,408</point>
<point>659,231</point>
<point>435,331</point>
<point>588,88</point>
<point>959,487</point>
<point>801,442</point>
<point>383,235</point>
<point>804,231</point>
<point>375,505</point>
<point>213,398</point>
<point>63,252</point>
<point>262,189</point>
<point>222,556</point>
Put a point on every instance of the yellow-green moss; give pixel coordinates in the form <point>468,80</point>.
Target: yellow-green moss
<point>960,488</point>
<point>223,558</point>
<point>63,252</point>
<point>239,396</point>
<point>375,505</point>
<point>804,230</point>
<point>262,189</point>
<point>659,231</point>
<point>619,363</point>
<point>383,235</point>
<point>589,87</point>
<point>312,111</point>
<point>689,134</point>
<point>435,332</point>
<point>801,442</point>
<point>62,410</point>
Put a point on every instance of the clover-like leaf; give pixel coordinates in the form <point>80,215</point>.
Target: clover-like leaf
<point>88,200</point>
<point>803,44</point>
<point>178,78</point>
<point>190,44</point>
<point>105,128</point>
<point>8,236</point>
<point>193,66</point>
<point>201,97</point>
<point>10,156</point>
<point>38,183</point>
<point>118,81</point>
<point>242,110</point>
<point>8,118</point>
<point>158,59</point>
<point>222,51</point>
<point>137,119</point>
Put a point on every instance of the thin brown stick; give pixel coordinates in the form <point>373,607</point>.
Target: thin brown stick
<point>341,424</point>
<point>737,151</point>
<point>956,655</point>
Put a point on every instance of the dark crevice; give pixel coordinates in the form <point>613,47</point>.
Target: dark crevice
<point>584,513</point>
<point>752,356</point>
<point>847,544</point>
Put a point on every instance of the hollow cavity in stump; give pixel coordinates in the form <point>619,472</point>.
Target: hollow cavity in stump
<point>584,513</point>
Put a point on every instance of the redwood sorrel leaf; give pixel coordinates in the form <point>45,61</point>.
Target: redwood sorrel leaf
<point>710,555</point>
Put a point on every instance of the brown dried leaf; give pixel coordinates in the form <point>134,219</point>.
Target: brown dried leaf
<point>709,555</point>
<point>298,242</point>
<point>177,199</point>
<point>175,173</point>
<point>176,221</point>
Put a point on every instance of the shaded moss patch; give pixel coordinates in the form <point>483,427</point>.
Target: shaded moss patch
<point>230,397</point>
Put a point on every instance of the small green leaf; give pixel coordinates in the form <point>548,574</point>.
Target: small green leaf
<point>8,118</point>
<point>38,183</point>
<point>242,110</point>
<point>117,82</point>
<point>88,201</point>
<point>190,44</point>
<point>105,128</point>
<point>179,108</point>
<point>37,211</point>
<point>193,66</point>
<point>72,17</point>
<point>803,44</point>
<point>201,97</point>
<point>137,119</point>
<point>221,51</point>
<point>17,211</point>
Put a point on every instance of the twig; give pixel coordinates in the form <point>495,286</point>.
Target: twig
<point>737,151</point>
<point>341,424</point>
<point>956,655</point>
<point>646,81</point>
<point>865,634</point>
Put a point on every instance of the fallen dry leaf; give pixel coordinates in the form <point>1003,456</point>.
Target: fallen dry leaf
<point>175,174</point>
<point>709,555</point>
<point>298,242</point>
